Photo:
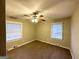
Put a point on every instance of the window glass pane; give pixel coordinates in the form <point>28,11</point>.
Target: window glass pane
<point>12,27</point>
<point>56,30</point>
<point>13,31</point>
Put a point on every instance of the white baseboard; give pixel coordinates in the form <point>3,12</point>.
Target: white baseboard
<point>54,44</point>
<point>21,45</point>
<point>3,57</point>
<point>41,41</point>
<point>25,43</point>
<point>73,57</point>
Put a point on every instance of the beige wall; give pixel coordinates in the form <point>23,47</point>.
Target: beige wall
<point>75,34</point>
<point>28,33</point>
<point>43,32</point>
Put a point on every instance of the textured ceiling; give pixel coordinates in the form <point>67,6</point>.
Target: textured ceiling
<point>49,8</point>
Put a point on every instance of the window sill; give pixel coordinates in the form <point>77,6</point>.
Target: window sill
<point>57,39</point>
<point>13,40</point>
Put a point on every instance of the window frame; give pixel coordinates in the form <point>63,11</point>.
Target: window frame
<point>14,22</point>
<point>62,31</point>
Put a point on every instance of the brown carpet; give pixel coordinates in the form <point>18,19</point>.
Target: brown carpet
<point>39,50</point>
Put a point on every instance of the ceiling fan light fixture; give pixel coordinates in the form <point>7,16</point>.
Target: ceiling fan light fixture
<point>36,20</point>
<point>33,21</point>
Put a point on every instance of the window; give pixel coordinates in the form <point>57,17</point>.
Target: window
<point>13,30</point>
<point>57,31</point>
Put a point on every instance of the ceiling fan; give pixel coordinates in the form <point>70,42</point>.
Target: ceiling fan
<point>35,16</point>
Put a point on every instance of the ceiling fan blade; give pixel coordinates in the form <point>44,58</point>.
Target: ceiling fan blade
<point>41,16</point>
<point>13,17</point>
<point>27,15</point>
<point>42,20</point>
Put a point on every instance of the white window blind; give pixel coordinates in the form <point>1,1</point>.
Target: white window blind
<point>13,30</point>
<point>57,31</point>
